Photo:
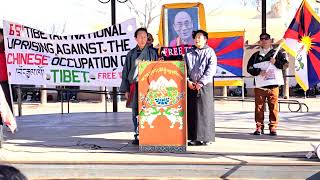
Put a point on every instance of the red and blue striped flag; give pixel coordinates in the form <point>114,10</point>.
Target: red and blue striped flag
<point>228,47</point>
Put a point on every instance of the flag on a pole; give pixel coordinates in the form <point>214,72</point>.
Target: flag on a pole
<point>302,41</point>
<point>228,47</point>
<point>6,113</point>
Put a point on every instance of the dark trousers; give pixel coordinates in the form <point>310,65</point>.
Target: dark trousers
<point>6,91</point>
<point>200,114</point>
<point>271,95</point>
<point>135,123</point>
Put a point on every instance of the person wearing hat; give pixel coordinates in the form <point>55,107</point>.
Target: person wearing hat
<point>267,72</point>
<point>201,62</point>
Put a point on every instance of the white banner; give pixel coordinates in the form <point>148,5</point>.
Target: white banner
<point>94,59</point>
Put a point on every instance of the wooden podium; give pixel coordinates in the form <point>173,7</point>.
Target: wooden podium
<point>162,106</point>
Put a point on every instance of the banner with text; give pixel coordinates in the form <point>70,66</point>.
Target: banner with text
<point>174,53</point>
<point>94,59</point>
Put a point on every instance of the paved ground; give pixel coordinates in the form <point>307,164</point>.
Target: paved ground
<point>97,145</point>
<point>221,105</point>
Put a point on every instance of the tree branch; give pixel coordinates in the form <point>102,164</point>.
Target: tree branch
<point>144,18</point>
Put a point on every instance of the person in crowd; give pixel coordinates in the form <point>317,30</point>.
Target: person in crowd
<point>267,72</point>
<point>150,42</point>
<point>4,81</point>
<point>11,173</point>
<point>129,83</point>
<point>201,62</point>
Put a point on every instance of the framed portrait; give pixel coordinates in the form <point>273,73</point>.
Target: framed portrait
<point>178,21</point>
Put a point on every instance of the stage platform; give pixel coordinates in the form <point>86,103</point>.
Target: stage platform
<point>96,140</point>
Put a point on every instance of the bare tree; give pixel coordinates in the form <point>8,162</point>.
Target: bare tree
<point>258,5</point>
<point>275,6</point>
<point>244,2</point>
<point>146,16</point>
<point>215,11</point>
<point>278,8</point>
<point>55,31</point>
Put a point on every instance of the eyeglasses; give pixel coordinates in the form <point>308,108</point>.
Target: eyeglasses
<point>264,38</point>
<point>179,25</point>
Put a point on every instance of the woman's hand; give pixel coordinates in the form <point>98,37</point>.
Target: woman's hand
<point>198,86</point>
<point>191,85</point>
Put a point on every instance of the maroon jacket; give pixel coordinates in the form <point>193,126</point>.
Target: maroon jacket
<point>3,65</point>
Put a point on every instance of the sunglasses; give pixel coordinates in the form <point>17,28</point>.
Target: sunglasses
<point>264,38</point>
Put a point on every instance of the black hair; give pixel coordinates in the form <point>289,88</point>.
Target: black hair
<point>1,31</point>
<point>10,172</point>
<point>204,33</point>
<point>265,35</point>
<point>140,29</point>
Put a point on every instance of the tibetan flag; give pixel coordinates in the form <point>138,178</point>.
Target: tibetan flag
<point>228,47</point>
<point>302,41</point>
<point>6,113</point>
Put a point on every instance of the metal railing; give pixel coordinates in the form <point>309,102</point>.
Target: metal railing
<point>113,94</point>
<point>290,102</point>
<point>62,92</point>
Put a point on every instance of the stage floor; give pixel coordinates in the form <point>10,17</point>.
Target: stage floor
<point>105,139</point>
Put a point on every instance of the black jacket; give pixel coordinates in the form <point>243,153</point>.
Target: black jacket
<point>257,58</point>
